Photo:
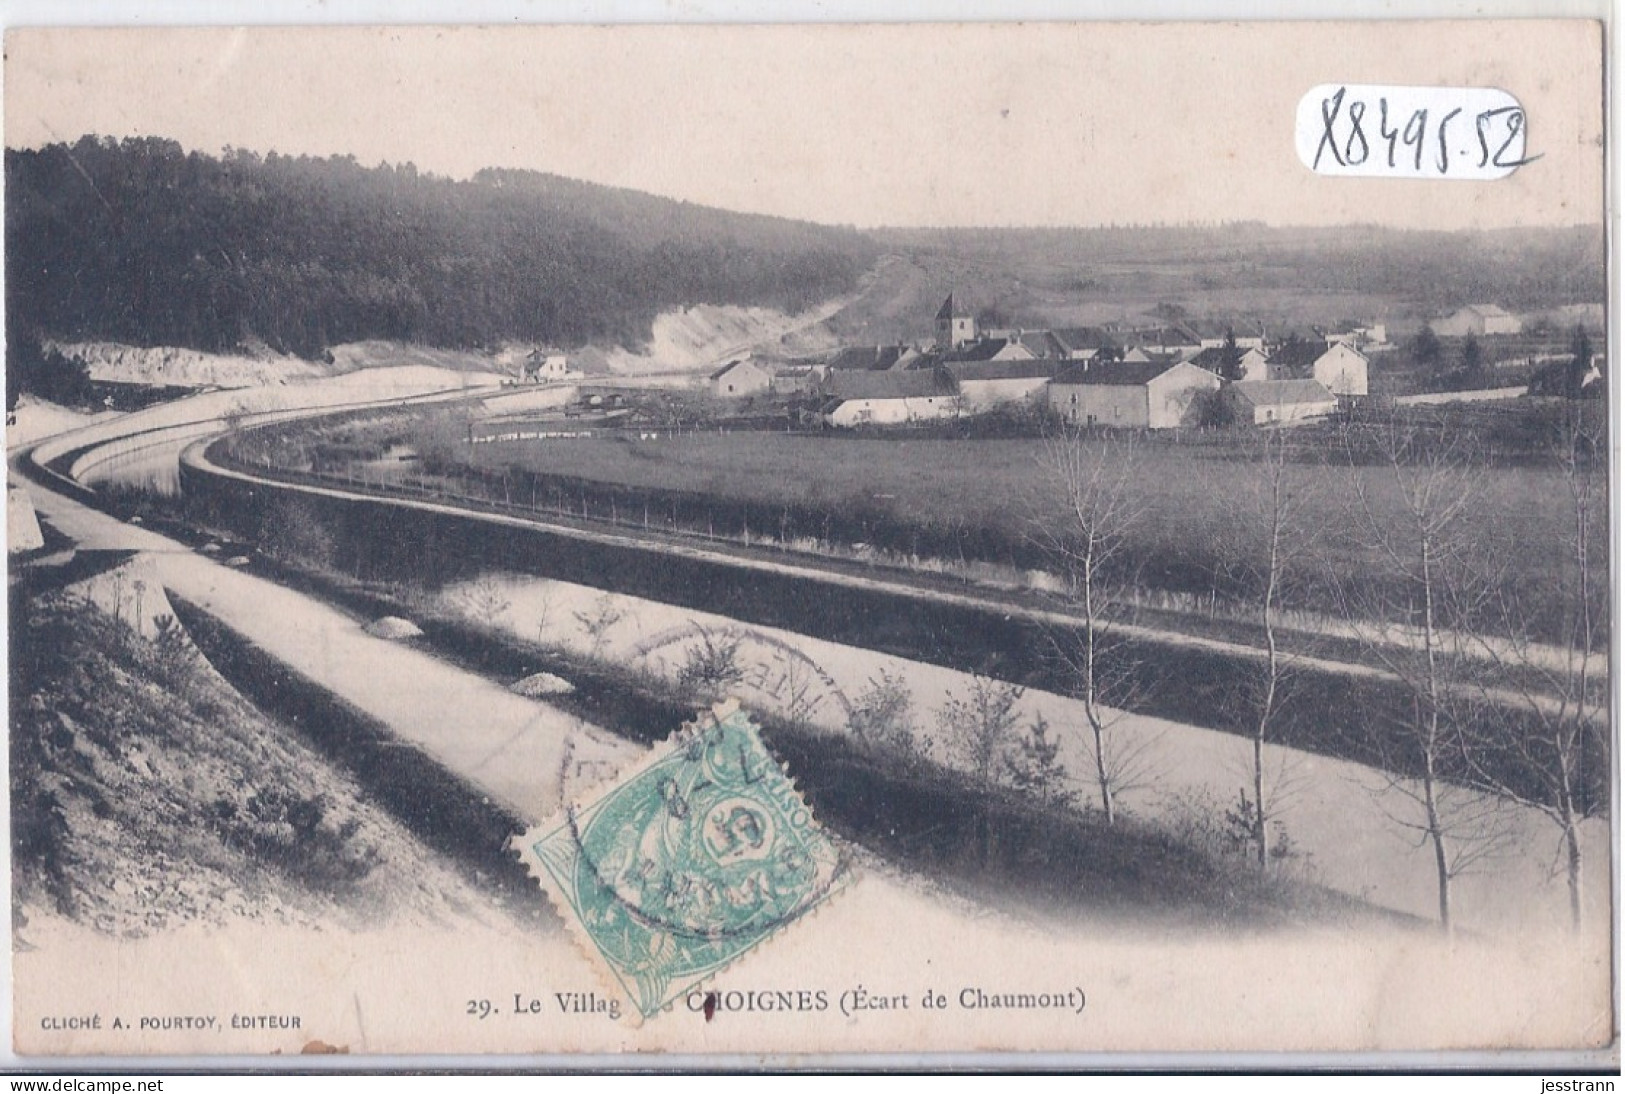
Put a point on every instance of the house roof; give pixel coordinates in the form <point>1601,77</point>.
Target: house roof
<point>952,310</point>
<point>725,369</point>
<point>891,385</point>
<point>1489,310</point>
<point>1297,353</point>
<point>1163,356</point>
<point>987,350</point>
<point>867,357</point>
<point>1219,328</point>
<point>1282,392</point>
<point>1212,358</point>
<point>1118,373</point>
<point>1043,343</point>
<point>1165,335</point>
<point>1000,370</point>
<point>1081,338</point>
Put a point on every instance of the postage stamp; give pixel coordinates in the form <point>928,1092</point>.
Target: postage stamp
<point>679,867</point>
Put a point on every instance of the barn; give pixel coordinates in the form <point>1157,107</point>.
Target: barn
<point>890,398</point>
<point>1131,394</point>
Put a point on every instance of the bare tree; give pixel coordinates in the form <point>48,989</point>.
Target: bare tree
<point>1270,555</point>
<point>1093,476</point>
<point>981,727</point>
<point>1414,620</point>
<point>1553,741</point>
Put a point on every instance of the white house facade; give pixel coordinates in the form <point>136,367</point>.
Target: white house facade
<point>737,379</point>
<point>1343,370</point>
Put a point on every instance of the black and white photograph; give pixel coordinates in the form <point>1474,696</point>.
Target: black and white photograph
<point>810,540</point>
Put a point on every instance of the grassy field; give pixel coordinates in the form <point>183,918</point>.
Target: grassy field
<point>1196,522</point>
<point>1196,515</point>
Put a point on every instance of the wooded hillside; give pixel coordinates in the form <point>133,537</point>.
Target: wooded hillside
<point>140,241</point>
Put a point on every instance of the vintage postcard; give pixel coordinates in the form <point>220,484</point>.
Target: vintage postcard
<point>783,542</point>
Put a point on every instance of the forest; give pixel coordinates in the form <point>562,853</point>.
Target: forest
<point>140,241</point>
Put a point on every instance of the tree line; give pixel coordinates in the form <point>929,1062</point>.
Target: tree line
<point>141,241</point>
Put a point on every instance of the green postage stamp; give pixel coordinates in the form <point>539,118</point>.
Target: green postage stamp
<point>673,870</point>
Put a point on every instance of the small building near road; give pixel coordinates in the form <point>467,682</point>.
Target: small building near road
<point>1478,320</point>
<point>890,398</point>
<point>1130,394</point>
<point>544,366</point>
<point>740,378</point>
<point>1267,402</point>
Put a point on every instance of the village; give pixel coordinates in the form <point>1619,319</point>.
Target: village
<point>1151,374</point>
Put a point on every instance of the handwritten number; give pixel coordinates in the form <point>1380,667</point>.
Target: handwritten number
<point>1329,109</point>
<point>1415,130</point>
<point>1444,149</point>
<point>1343,135</point>
<point>1514,127</point>
<point>1388,134</point>
<point>1357,133</point>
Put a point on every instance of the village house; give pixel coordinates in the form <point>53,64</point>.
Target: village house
<point>987,384</point>
<point>1212,333</point>
<point>797,379</point>
<point>1355,336</point>
<point>1042,344</point>
<point>1087,344</point>
<point>874,358</point>
<point>890,398</point>
<point>987,349</point>
<point>740,378</point>
<point>1252,364</point>
<point>1478,320</point>
<point>1142,355</point>
<point>1340,368</point>
<point>1073,344</point>
<point>1266,402</point>
<point>1130,394</point>
<point>1160,341</point>
<point>543,366</point>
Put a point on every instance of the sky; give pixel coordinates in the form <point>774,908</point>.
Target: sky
<point>956,125</point>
